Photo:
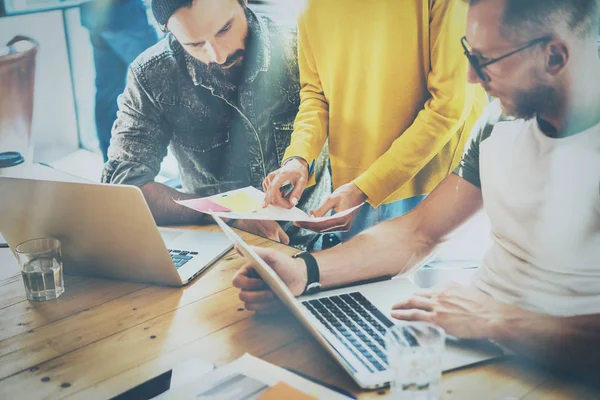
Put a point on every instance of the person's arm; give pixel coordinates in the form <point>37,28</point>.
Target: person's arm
<point>443,115</point>
<point>568,343</point>
<point>139,143</point>
<point>390,248</point>
<point>311,125</point>
<point>165,211</point>
<point>405,243</point>
<point>311,128</point>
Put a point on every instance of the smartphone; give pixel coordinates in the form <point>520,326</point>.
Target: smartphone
<point>286,190</point>
<point>181,374</point>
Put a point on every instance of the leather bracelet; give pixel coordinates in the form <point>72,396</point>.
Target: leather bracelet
<point>287,160</point>
<point>313,276</point>
<point>311,165</point>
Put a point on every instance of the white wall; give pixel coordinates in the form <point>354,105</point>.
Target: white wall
<point>84,75</point>
<point>54,128</point>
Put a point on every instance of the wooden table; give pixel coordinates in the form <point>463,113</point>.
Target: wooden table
<point>103,336</point>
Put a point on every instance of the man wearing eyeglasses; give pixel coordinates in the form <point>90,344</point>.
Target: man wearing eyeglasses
<point>537,175</point>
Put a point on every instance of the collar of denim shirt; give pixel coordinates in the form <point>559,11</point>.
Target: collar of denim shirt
<point>257,58</point>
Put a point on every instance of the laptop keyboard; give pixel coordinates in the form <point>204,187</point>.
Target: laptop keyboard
<point>181,257</point>
<point>358,324</point>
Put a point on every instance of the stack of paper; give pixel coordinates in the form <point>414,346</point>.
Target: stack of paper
<point>250,378</point>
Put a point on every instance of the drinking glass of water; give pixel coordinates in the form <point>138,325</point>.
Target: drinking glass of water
<point>41,267</point>
<point>414,352</point>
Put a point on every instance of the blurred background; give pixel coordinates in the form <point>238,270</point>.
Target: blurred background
<point>63,131</point>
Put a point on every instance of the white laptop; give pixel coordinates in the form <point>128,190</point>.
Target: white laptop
<point>351,322</point>
<point>105,231</point>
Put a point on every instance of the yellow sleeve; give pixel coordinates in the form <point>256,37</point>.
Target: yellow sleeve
<point>312,121</point>
<point>443,114</point>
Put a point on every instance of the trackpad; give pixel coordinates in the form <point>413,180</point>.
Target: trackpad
<point>208,245</point>
<point>191,240</point>
<point>386,294</point>
<point>170,236</point>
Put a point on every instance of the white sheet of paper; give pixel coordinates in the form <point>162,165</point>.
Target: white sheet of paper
<point>270,213</point>
<point>256,371</point>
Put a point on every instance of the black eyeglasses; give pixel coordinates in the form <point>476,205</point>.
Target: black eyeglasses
<point>478,66</point>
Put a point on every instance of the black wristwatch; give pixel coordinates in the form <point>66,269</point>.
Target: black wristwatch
<point>313,281</point>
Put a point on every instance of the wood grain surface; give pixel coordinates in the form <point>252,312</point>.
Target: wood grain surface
<point>103,337</point>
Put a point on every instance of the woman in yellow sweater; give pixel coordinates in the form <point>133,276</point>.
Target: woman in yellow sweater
<point>386,82</point>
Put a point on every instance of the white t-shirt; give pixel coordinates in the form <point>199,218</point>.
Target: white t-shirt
<point>542,196</point>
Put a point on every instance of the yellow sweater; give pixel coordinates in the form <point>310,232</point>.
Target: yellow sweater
<point>386,81</point>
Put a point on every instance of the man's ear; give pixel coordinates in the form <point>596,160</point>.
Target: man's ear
<point>557,56</point>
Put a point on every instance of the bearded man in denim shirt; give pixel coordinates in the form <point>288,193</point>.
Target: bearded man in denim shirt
<point>222,91</point>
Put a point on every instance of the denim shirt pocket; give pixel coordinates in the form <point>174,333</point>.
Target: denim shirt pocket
<point>193,140</point>
<point>202,147</point>
<point>282,132</point>
<point>193,127</point>
<point>205,156</point>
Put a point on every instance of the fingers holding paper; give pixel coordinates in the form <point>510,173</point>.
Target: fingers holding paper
<point>346,197</point>
<point>294,173</point>
<point>340,223</point>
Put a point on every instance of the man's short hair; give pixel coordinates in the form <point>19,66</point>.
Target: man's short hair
<point>540,17</point>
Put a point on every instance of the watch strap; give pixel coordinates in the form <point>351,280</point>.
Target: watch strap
<point>313,277</point>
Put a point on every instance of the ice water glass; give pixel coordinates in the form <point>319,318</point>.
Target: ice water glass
<point>414,352</point>
<point>41,267</point>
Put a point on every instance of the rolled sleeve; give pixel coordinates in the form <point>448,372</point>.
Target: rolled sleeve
<point>127,173</point>
<point>468,169</point>
<point>312,121</point>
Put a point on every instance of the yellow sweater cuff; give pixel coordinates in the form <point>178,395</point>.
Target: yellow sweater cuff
<point>376,194</point>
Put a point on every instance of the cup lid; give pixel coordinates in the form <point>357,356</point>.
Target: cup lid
<point>11,159</point>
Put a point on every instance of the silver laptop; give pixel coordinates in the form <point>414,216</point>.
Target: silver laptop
<point>105,231</point>
<point>351,322</point>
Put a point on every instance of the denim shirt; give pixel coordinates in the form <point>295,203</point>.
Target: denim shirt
<point>223,137</point>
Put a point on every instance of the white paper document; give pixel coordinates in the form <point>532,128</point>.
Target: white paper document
<point>246,203</point>
<point>250,378</point>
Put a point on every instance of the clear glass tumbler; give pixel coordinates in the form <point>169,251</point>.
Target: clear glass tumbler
<point>414,351</point>
<point>41,267</point>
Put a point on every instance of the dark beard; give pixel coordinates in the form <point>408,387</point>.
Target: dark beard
<point>527,104</point>
<point>232,74</point>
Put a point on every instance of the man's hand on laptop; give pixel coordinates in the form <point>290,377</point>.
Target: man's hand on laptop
<point>462,311</point>
<point>269,229</point>
<point>255,293</point>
